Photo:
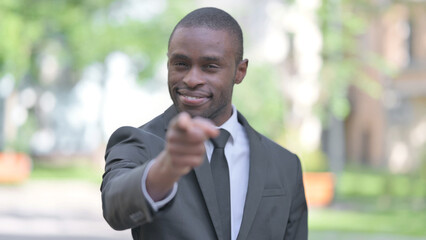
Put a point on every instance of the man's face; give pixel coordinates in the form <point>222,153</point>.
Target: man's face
<point>202,71</point>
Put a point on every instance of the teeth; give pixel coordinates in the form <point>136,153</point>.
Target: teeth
<point>192,98</point>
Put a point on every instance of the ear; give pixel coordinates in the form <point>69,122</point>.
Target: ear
<point>241,71</point>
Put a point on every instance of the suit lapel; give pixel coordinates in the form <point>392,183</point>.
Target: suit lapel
<point>205,180</point>
<point>256,182</point>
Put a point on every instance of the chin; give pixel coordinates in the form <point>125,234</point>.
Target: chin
<point>194,113</point>
<point>183,108</point>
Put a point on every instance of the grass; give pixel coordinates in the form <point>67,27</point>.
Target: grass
<point>78,171</point>
<point>400,222</point>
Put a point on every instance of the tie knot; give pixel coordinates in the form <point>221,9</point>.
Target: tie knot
<point>220,141</point>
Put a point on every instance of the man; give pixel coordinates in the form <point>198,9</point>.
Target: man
<point>171,179</point>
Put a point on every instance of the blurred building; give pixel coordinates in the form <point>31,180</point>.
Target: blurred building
<point>388,127</point>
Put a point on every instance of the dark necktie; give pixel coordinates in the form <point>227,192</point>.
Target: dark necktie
<point>220,172</point>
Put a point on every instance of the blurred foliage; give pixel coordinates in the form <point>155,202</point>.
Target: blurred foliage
<point>312,160</point>
<point>77,34</point>
<point>345,61</point>
<point>22,141</point>
<point>380,184</point>
<point>260,100</point>
<point>421,170</point>
<point>85,31</point>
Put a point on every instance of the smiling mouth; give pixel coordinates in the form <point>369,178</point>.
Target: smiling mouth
<point>192,98</point>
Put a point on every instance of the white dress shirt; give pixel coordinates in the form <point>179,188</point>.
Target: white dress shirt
<point>237,154</point>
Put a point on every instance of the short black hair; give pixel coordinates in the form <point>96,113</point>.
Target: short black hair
<point>215,19</point>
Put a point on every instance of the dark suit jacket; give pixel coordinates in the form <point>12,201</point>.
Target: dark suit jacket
<point>275,206</point>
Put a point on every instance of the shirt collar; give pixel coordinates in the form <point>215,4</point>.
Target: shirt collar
<point>231,125</point>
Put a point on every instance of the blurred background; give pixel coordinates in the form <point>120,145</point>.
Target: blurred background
<point>342,83</point>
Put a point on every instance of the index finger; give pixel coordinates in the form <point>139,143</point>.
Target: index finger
<point>182,121</point>
<point>207,126</point>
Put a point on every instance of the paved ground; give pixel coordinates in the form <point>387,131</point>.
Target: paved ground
<point>54,210</point>
<point>71,210</point>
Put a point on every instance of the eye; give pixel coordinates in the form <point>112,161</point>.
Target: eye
<point>179,64</point>
<point>211,67</point>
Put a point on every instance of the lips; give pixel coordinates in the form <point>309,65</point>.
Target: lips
<point>192,98</point>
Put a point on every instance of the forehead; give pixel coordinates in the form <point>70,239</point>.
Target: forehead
<point>201,39</point>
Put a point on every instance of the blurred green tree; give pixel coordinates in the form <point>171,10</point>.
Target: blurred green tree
<point>346,63</point>
<point>343,22</point>
<point>87,30</point>
<point>80,33</point>
<point>260,96</point>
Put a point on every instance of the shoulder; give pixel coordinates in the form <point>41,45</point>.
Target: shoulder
<point>279,153</point>
<point>158,125</point>
<point>270,148</point>
<point>130,139</point>
<point>129,134</point>
<point>254,135</point>
<point>275,147</point>
<point>148,136</point>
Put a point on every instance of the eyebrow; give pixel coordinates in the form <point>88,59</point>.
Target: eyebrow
<point>179,56</point>
<point>210,59</point>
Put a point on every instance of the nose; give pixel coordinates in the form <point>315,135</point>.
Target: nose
<point>193,78</point>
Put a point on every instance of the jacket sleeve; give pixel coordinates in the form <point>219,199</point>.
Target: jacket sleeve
<point>297,226</point>
<point>128,152</point>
